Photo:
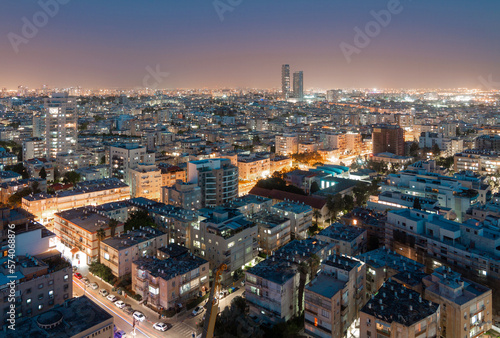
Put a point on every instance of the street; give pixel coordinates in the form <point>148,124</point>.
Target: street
<point>184,324</point>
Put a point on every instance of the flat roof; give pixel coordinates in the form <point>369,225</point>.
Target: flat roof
<point>325,285</point>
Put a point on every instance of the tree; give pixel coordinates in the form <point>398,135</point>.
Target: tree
<point>43,174</point>
<point>435,150</point>
<point>72,177</point>
<point>303,271</point>
<point>316,215</point>
<point>416,204</point>
<point>113,223</point>
<point>20,169</point>
<point>101,235</point>
<point>16,199</point>
<point>139,218</point>
<point>103,159</point>
<point>35,187</point>
<point>57,174</point>
<point>360,193</point>
<point>335,204</point>
<point>348,203</point>
<point>102,271</point>
<point>414,148</point>
<point>314,187</point>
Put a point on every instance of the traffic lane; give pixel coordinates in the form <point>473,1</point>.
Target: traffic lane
<point>124,321</point>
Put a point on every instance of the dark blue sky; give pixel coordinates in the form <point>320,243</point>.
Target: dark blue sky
<point>110,43</point>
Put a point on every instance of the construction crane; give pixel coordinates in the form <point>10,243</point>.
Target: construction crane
<point>213,305</point>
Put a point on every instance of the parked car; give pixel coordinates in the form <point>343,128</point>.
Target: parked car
<point>103,292</point>
<point>128,310</point>
<point>78,275</point>
<point>85,281</point>
<point>139,316</point>
<point>112,298</point>
<point>120,334</point>
<point>120,304</point>
<point>94,286</point>
<point>162,326</point>
<point>197,310</point>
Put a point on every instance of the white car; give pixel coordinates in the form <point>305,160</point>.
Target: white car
<point>120,304</point>
<point>112,298</point>
<point>103,292</point>
<point>85,281</point>
<point>161,326</point>
<point>197,310</point>
<point>94,286</point>
<point>139,316</point>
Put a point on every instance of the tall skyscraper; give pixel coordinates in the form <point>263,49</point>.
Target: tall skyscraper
<point>388,138</point>
<point>298,85</point>
<point>285,81</point>
<point>60,124</point>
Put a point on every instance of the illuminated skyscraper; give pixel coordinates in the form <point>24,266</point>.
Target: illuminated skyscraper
<point>60,124</point>
<point>285,81</point>
<point>298,85</point>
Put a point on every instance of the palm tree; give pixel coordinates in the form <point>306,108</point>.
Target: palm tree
<point>303,270</point>
<point>316,215</point>
<point>101,235</point>
<point>113,223</point>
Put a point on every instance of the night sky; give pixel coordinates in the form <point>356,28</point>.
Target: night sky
<point>109,43</point>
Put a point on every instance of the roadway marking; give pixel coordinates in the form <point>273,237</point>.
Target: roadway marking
<point>110,309</point>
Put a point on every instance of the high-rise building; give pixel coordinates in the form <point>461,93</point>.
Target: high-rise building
<point>125,156</point>
<point>388,138</point>
<point>285,81</point>
<point>60,124</point>
<point>286,144</point>
<point>298,85</point>
<point>217,178</point>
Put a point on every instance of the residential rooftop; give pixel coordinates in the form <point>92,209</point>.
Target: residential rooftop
<point>395,303</point>
<point>170,267</point>
<point>325,285</point>
<point>132,238</point>
<point>85,218</point>
<point>383,257</point>
<point>341,232</point>
<point>68,320</point>
<point>296,208</point>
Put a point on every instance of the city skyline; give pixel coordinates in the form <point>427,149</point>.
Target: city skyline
<point>205,46</point>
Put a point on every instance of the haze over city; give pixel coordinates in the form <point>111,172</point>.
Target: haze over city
<point>95,44</point>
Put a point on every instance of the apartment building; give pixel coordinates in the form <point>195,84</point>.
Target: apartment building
<point>225,236</point>
<point>466,306</point>
<point>182,195</point>
<point>145,181</point>
<point>118,252</point>
<point>217,178</point>
<point>333,299</point>
<point>272,286</point>
<point>388,138</point>
<point>484,162</point>
<point>34,167</point>
<point>171,174</point>
<point>348,240</point>
<point>448,191</point>
<point>279,163</point>
<point>125,156</point>
<point>253,167</point>
<point>41,284</point>
<point>487,142</point>
<point>274,231</point>
<point>167,282</point>
<point>382,264</point>
<point>286,144</point>
<point>448,146</point>
<point>399,312</point>
<point>7,158</point>
<point>77,317</point>
<point>43,206</point>
<point>250,204</point>
<point>372,221</point>
<point>76,232</point>
<point>300,216</point>
<point>429,238</point>
<point>60,124</point>
<point>34,148</point>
